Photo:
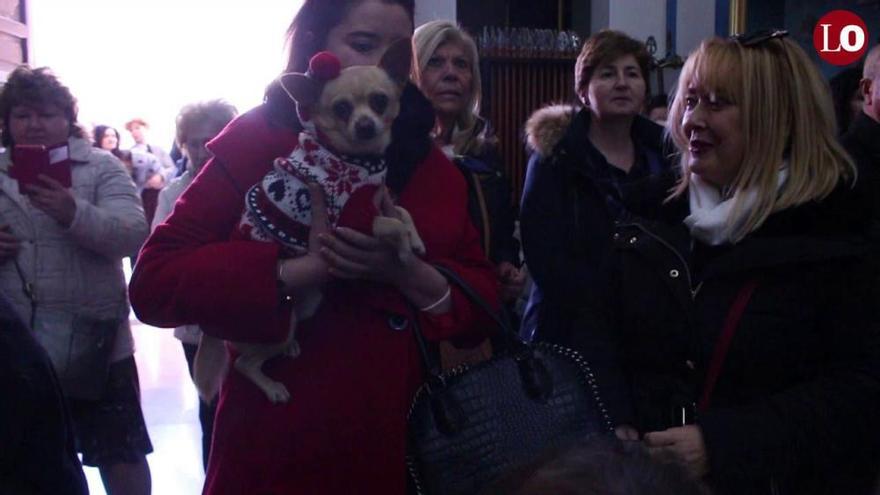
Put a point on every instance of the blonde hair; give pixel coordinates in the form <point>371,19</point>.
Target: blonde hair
<point>786,114</point>
<point>427,38</point>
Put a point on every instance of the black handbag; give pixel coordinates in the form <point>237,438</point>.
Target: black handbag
<point>472,424</point>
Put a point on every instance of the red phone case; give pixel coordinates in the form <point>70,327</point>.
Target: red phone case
<point>29,161</point>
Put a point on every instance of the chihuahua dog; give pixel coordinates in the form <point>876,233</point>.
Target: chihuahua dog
<point>346,116</point>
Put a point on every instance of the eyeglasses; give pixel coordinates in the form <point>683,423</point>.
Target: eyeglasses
<point>758,37</point>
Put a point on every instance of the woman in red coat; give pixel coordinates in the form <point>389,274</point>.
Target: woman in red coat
<point>343,431</point>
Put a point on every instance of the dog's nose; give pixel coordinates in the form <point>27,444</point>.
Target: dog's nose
<point>364,129</point>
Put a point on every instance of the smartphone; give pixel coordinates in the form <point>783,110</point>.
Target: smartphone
<point>29,161</point>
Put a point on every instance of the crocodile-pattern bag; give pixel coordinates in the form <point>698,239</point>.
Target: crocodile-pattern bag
<point>470,425</point>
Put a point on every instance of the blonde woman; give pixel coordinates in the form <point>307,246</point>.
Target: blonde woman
<point>751,352</point>
<point>447,71</point>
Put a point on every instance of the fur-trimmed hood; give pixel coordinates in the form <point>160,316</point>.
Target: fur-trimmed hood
<point>550,125</point>
<point>547,126</point>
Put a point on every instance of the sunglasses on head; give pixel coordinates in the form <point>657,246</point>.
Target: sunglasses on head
<point>758,37</point>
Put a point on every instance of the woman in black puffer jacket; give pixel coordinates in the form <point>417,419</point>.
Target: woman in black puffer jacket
<point>589,165</point>
<point>748,334</point>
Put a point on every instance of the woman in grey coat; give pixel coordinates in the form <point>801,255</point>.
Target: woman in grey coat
<point>61,251</point>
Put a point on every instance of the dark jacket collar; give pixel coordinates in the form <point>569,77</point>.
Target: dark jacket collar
<point>866,132</point>
<point>832,228</point>
<point>646,135</point>
<point>638,195</point>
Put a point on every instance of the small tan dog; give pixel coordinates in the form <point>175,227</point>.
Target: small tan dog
<point>347,116</point>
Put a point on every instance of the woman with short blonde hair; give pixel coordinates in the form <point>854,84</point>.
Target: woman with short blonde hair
<point>427,38</point>
<point>447,71</point>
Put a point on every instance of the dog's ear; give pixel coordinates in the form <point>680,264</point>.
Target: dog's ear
<point>396,61</point>
<point>304,90</point>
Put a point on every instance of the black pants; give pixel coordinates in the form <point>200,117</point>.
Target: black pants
<point>206,411</point>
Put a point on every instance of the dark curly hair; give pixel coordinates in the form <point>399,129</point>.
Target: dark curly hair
<point>36,88</point>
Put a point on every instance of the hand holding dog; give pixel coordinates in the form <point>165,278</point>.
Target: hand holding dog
<point>310,271</point>
<point>353,255</point>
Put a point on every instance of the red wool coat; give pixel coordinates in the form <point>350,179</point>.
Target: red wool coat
<point>343,431</point>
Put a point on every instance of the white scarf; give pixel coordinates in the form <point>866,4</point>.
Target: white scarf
<point>710,218</point>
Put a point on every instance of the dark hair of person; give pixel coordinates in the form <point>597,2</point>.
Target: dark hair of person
<point>843,85</point>
<point>306,36</point>
<point>36,88</point>
<point>605,47</point>
<point>600,466</point>
<point>101,131</point>
<point>657,101</point>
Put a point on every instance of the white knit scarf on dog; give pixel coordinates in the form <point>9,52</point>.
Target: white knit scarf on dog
<point>278,207</point>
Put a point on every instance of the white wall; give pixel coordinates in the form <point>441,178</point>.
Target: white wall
<point>637,18</point>
<point>599,15</point>
<point>429,10</point>
<point>640,19</point>
<point>695,22</point>
<point>127,58</point>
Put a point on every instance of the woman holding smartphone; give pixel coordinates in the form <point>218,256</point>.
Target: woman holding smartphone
<point>61,268</point>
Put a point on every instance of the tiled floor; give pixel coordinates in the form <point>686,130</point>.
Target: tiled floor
<point>170,407</point>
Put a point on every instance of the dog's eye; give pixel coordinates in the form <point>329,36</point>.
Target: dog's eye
<point>378,102</point>
<point>342,109</point>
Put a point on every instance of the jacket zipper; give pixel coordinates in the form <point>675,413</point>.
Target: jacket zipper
<point>693,290</point>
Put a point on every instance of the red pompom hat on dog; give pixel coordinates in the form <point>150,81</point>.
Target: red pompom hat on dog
<point>324,66</point>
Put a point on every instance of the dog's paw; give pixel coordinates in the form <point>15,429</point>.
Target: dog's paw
<point>293,349</point>
<point>415,240</point>
<point>276,392</point>
<point>418,246</point>
<point>388,229</point>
